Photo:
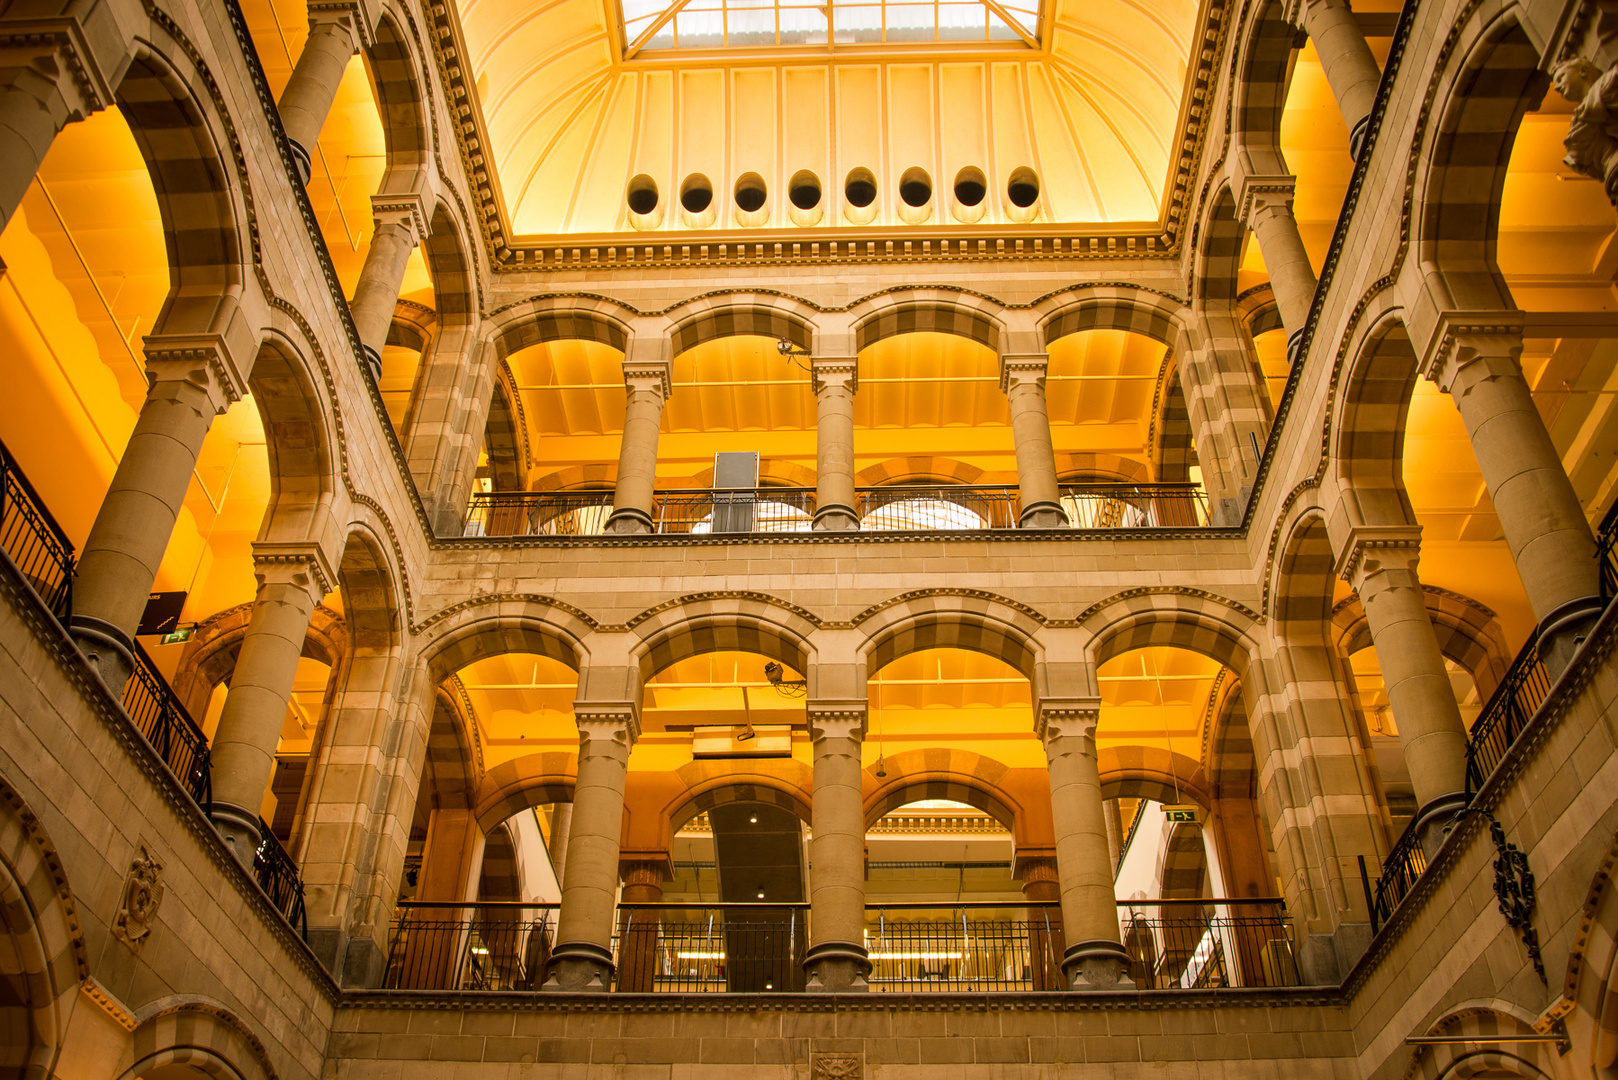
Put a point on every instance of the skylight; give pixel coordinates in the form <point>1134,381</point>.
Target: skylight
<point>715,24</point>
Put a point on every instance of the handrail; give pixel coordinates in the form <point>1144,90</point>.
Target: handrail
<point>32,539</point>
<point>1400,870</point>
<point>157,713</point>
<point>1520,694</point>
<point>277,875</point>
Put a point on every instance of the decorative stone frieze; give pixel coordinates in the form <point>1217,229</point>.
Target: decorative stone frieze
<point>142,896</point>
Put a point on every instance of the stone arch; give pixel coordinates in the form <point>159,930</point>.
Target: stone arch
<point>454,761</point>
<point>1109,307</point>
<point>1468,634</point>
<point>1184,862</point>
<point>1263,67</point>
<point>400,97</point>
<point>719,622</point>
<point>560,318</point>
<point>1176,454</point>
<point>939,311</point>
<point>1200,622</point>
<point>1478,111</point>
<point>701,796</point>
<point>447,252</point>
<point>44,959</point>
<point>939,619</point>
<point>741,314</point>
<point>522,784</point>
<point>942,773</point>
<point>490,626</point>
<point>919,469</point>
<point>1464,1060</point>
<point>1220,253</point>
<point>1101,468</point>
<point>497,877</point>
<point>1149,772</point>
<point>504,438</point>
<point>210,655</point>
<point>1230,759</point>
<point>372,590</point>
<point>302,447</point>
<point>1368,432</point>
<point>199,1035</point>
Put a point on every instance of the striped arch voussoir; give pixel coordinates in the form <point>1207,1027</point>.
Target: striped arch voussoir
<point>1149,772</point>
<point>942,773</point>
<point>1453,1062</point>
<point>722,791</point>
<point>725,315</point>
<point>560,318</point>
<point>1131,310</point>
<point>522,784</point>
<point>1181,619</point>
<point>203,1037</point>
<point>495,625</point>
<point>724,622</point>
<point>935,311</point>
<point>1468,633</point>
<point>977,622</point>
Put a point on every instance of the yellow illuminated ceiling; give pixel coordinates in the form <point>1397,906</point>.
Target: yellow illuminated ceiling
<point>1091,111</point>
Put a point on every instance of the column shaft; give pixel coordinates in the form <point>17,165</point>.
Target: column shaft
<point>637,930</point>
<point>561,824</point>
<point>1041,886</point>
<point>260,688</point>
<point>306,99</point>
<point>400,223</point>
<point>1350,68</point>
<point>836,961</point>
<point>1022,378</point>
<point>582,960</point>
<point>1095,957</point>
<point>1291,277</point>
<point>835,381</point>
<point>632,499</point>
<point>40,94</point>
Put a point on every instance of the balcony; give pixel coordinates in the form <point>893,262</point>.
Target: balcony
<point>907,508</point>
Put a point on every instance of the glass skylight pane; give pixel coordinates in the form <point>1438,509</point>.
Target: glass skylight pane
<point>635,10</point>
<point>751,26</point>
<point>699,29</point>
<point>999,31</point>
<point>961,22</point>
<point>910,22</point>
<point>856,24</point>
<point>803,26</point>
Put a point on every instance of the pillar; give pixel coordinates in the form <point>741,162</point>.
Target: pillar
<point>450,864</point>
<point>835,379</point>
<point>561,823</point>
<point>1382,569</point>
<point>400,223</point>
<point>638,929</point>
<point>1227,405</point>
<point>49,77</point>
<point>647,385</point>
<point>1095,957</point>
<point>837,961</point>
<point>1115,832</point>
<point>291,581</point>
<point>1540,513</point>
<point>1022,379</point>
<point>1266,208</point>
<point>582,959</point>
<point>193,379</point>
<point>335,31</point>
<point>1350,68</point>
<point>1041,886</point>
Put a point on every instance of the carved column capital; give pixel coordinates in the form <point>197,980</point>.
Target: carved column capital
<point>204,360</point>
<point>1372,549</point>
<point>300,563</point>
<point>408,211</point>
<point>1022,369</point>
<point>837,719</point>
<point>649,376</point>
<point>608,721</point>
<point>1256,194</point>
<point>57,48</point>
<point>1061,718</point>
<point>649,869</point>
<point>1462,338</point>
<point>834,373</point>
<point>349,13</point>
<point>1036,866</point>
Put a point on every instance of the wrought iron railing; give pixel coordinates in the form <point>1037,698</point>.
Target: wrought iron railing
<point>1514,702</point>
<point>1400,870</point>
<point>971,947</point>
<point>277,875</point>
<point>1607,553</point>
<point>483,946</point>
<point>897,508</point>
<point>32,540</point>
<point>716,948</point>
<point>157,713</point>
<point>1205,943</point>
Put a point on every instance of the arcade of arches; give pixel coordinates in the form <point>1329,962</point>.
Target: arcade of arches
<point>983,539</point>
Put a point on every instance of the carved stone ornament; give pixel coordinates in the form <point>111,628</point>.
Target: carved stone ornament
<point>1592,135</point>
<point>836,1066</point>
<point>1514,889</point>
<point>143,894</point>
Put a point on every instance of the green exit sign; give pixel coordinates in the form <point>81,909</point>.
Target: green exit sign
<point>1180,813</point>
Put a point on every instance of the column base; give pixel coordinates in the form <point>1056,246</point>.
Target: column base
<point>1356,136</point>
<point>373,363</point>
<point>837,967</point>
<point>1432,822</point>
<point>1562,632</point>
<point>300,160</point>
<point>1042,515</point>
<point>835,517</point>
<point>109,650</point>
<point>356,963</point>
<point>578,967</point>
<point>239,828</point>
<point>630,521</point>
<point>1097,965</point>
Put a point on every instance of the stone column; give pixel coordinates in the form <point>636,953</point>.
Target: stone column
<point>49,77</point>
<point>1381,565</point>
<point>335,31</point>
<point>637,930</point>
<point>1022,379</point>
<point>1115,832</point>
<point>1041,886</point>
<point>582,960</point>
<point>837,961</point>
<point>1540,513</point>
<point>646,380</point>
<point>561,823</point>
<point>1266,208</point>
<point>449,875</point>
<point>1350,68</point>
<point>1226,404</point>
<point>194,379</point>
<point>292,578</point>
<point>400,224</point>
<point>1095,957</point>
<point>835,379</point>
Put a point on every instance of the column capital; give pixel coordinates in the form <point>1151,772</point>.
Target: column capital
<point>1017,369</point>
<point>1460,338</point>
<point>834,372</point>
<point>1372,549</point>
<point>62,53</point>
<point>204,360</point>
<point>408,210</point>
<point>1059,718</point>
<point>649,375</point>
<point>298,562</point>
<point>833,719</point>
<point>645,867</point>
<point>1035,864</point>
<point>610,721</point>
<point>1255,194</point>
<point>351,13</point>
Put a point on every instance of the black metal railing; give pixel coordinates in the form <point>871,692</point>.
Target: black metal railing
<point>700,512</point>
<point>1514,702</point>
<point>1400,870</point>
<point>708,949</point>
<point>157,713</point>
<point>490,945</point>
<point>32,540</point>
<point>1135,506</point>
<point>277,875</point>
<point>936,508</point>
<point>970,947</point>
<point>1607,553</point>
<point>1202,944</point>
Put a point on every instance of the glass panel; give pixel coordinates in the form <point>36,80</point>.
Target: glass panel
<point>750,26</point>
<point>999,31</point>
<point>759,23</point>
<point>856,24</point>
<point>910,22</point>
<point>803,26</point>
<point>699,29</point>
<point>961,22</point>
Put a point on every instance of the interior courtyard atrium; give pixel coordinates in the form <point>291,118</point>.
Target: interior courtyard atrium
<point>786,540</point>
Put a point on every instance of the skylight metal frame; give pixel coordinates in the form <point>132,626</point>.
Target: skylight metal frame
<point>726,26</point>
